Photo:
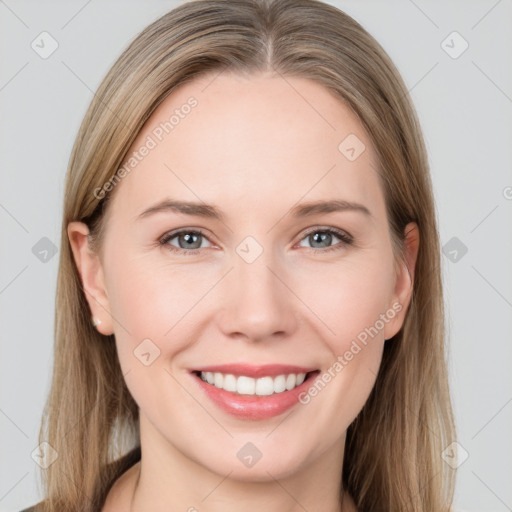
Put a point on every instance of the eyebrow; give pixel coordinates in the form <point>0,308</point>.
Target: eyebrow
<point>335,205</point>
<point>210,211</point>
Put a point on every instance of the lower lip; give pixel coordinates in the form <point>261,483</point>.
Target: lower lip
<point>252,407</point>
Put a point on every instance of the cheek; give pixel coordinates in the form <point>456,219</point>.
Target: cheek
<point>353,302</point>
<point>150,303</point>
<point>150,299</point>
<point>158,315</point>
<point>349,299</point>
<point>352,308</point>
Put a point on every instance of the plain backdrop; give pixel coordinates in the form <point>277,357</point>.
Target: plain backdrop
<point>464,100</point>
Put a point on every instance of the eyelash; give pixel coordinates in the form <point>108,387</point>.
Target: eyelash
<point>345,238</point>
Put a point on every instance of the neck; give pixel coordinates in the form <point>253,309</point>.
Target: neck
<point>166,479</point>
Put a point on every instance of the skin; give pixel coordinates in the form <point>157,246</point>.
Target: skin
<point>254,146</point>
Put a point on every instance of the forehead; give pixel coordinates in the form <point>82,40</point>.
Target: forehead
<point>263,138</point>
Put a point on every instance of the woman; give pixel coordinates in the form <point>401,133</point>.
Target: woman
<point>249,308</point>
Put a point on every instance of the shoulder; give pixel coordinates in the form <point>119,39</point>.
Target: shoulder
<point>30,509</point>
<point>36,507</point>
<point>121,492</point>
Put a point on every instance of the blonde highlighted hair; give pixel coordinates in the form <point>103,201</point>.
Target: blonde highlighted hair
<point>392,459</point>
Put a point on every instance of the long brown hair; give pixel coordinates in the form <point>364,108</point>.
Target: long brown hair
<point>393,449</point>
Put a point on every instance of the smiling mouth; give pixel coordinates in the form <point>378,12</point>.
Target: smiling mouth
<point>262,386</point>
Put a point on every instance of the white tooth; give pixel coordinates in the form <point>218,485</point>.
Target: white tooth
<point>290,381</point>
<point>246,385</point>
<point>279,383</point>
<point>264,386</point>
<point>229,383</point>
<point>218,379</point>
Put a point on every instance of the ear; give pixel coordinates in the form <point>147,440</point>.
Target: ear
<point>402,293</point>
<point>91,274</point>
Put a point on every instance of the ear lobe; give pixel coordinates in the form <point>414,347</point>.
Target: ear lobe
<point>90,269</point>
<point>404,284</point>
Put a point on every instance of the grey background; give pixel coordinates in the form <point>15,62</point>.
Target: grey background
<point>465,107</point>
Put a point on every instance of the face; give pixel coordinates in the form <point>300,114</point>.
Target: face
<point>254,279</point>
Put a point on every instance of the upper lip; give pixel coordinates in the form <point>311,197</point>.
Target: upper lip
<point>270,370</point>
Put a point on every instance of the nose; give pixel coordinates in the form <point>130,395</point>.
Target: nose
<point>256,304</point>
